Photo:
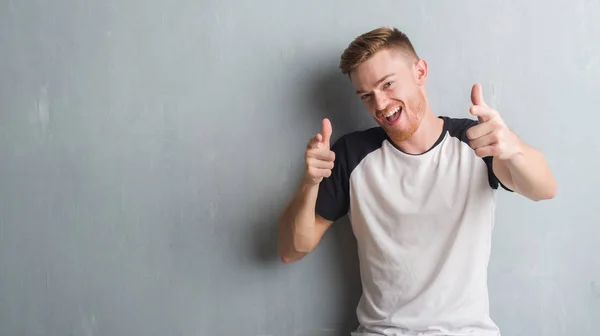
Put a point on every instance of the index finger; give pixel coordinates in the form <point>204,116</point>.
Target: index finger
<point>483,113</point>
<point>314,141</point>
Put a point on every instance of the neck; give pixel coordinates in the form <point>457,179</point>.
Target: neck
<point>426,135</point>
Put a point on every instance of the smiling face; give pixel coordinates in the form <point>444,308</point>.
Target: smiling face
<point>391,85</point>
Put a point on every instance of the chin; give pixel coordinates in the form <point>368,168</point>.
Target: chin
<point>402,130</point>
<point>400,135</point>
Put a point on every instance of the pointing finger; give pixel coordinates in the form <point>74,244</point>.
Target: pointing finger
<point>314,141</point>
<point>483,113</point>
<point>480,130</point>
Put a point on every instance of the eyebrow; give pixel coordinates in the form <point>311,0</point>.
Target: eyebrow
<point>378,82</point>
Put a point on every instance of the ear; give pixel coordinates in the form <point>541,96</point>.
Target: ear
<point>420,68</point>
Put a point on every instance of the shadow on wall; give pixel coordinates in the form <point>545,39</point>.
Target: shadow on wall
<point>330,95</point>
<point>335,99</point>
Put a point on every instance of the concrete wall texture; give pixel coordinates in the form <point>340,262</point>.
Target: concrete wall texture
<point>147,148</point>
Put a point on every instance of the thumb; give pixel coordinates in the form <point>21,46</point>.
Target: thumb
<point>477,95</point>
<point>327,130</point>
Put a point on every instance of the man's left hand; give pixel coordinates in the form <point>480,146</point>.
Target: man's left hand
<point>491,137</point>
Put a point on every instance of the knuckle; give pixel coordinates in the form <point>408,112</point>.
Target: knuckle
<point>496,136</point>
<point>497,149</point>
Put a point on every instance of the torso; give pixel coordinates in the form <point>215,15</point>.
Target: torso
<point>423,225</point>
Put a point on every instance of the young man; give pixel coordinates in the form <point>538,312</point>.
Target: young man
<point>420,193</point>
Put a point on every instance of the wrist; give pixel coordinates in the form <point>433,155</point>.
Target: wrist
<point>309,180</point>
<point>517,156</point>
<point>308,183</point>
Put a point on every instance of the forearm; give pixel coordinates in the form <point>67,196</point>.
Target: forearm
<point>297,223</point>
<point>530,174</point>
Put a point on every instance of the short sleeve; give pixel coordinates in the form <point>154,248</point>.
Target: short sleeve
<point>333,196</point>
<point>458,127</point>
<point>493,179</point>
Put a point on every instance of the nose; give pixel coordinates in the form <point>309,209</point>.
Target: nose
<point>381,101</point>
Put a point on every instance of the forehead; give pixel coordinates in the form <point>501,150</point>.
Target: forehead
<point>381,64</point>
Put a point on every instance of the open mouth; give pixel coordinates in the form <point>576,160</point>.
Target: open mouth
<point>393,115</point>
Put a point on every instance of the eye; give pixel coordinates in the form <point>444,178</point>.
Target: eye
<point>388,84</point>
<point>365,96</point>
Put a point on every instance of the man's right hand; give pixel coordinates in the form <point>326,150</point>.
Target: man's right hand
<point>319,157</point>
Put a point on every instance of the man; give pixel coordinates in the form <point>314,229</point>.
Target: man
<point>420,192</point>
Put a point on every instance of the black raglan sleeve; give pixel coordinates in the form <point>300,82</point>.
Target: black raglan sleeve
<point>493,179</point>
<point>333,198</point>
<point>458,127</point>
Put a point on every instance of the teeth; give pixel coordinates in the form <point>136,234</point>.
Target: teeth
<point>392,111</point>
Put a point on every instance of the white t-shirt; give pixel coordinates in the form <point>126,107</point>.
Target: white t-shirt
<point>423,225</point>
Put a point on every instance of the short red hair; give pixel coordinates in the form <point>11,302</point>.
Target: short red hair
<point>369,43</point>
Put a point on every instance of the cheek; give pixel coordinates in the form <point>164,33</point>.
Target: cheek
<point>397,94</point>
<point>411,98</point>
